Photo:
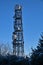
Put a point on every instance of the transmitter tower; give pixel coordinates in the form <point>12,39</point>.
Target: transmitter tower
<point>18,41</point>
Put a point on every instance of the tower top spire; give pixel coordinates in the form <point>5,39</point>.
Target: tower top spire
<point>18,7</point>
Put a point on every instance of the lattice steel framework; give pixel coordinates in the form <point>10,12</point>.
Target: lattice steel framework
<point>18,41</point>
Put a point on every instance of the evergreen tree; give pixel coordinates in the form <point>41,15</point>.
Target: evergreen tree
<point>37,54</point>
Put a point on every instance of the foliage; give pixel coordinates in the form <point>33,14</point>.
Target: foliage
<point>13,60</point>
<point>5,49</point>
<point>37,54</point>
<point>36,57</point>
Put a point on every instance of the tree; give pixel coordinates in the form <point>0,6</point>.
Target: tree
<point>1,45</point>
<point>4,49</point>
<point>37,54</point>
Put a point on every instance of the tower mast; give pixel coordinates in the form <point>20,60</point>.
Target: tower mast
<point>18,41</point>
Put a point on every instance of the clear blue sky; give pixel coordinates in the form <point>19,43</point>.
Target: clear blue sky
<point>32,21</point>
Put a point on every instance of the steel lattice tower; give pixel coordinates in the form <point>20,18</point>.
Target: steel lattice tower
<point>18,41</point>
